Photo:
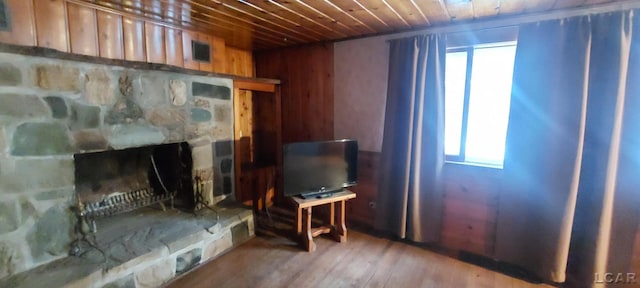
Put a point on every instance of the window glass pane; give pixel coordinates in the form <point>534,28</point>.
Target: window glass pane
<point>489,100</point>
<point>455,74</point>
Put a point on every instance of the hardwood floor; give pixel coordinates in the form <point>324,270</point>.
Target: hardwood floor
<point>364,261</point>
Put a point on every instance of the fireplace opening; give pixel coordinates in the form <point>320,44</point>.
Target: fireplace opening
<point>113,182</point>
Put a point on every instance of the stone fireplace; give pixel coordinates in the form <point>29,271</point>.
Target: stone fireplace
<point>86,147</point>
<point>113,182</point>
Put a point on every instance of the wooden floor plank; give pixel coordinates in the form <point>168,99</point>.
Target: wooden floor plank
<point>353,273</point>
<point>389,258</point>
<point>363,261</point>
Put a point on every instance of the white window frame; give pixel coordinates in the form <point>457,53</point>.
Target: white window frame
<point>460,158</point>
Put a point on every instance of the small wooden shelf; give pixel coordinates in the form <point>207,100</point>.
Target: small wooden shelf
<point>334,225</point>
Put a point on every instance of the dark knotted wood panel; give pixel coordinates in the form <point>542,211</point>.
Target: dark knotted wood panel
<point>470,207</point>
<point>470,203</point>
<point>361,210</point>
<point>306,73</point>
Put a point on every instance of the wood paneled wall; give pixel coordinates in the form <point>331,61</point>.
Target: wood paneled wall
<point>239,62</point>
<point>306,73</point>
<point>470,207</point>
<point>470,203</point>
<point>307,109</point>
<point>77,27</point>
<point>362,209</point>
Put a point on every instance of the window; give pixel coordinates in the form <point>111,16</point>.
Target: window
<point>477,99</point>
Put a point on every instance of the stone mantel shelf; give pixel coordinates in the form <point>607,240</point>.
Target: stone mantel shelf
<point>55,54</point>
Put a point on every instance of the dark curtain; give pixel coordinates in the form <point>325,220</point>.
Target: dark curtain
<point>410,191</point>
<point>570,147</point>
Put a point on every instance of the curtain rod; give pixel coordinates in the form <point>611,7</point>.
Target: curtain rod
<point>514,20</point>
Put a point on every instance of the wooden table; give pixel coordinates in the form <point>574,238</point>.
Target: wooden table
<point>337,230</point>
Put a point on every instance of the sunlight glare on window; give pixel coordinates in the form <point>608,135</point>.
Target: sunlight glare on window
<point>455,77</point>
<point>489,101</point>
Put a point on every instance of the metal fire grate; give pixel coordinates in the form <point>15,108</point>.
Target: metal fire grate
<point>121,202</point>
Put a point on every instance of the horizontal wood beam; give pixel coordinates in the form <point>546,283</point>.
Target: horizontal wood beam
<point>254,86</point>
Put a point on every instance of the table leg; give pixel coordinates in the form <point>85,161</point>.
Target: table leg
<point>298,221</point>
<point>341,228</point>
<point>332,214</point>
<point>307,236</point>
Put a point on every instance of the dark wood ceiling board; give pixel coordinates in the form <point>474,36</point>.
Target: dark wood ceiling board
<point>422,14</point>
<point>130,6</point>
<point>359,12</point>
<point>202,25</point>
<point>486,8</point>
<point>560,4</point>
<point>221,27</point>
<point>510,7</point>
<point>539,5</point>
<point>115,5</point>
<point>400,16</point>
<point>460,10</point>
<point>265,24</point>
<point>171,9</point>
<point>445,9</point>
<point>334,20</point>
<point>241,38</point>
<point>316,16</point>
<point>380,27</point>
<point>380,9</point>
<point>434,10</point>
<point>216,12</point>
<point>251,12</point>
<point>592,2</point>
<point>219,11</point>
<point>283,10</point>
<point>267,10</point>
<point>154,8</point>
<point>384,22</point>
<point>243,35</point>
<point>343,18</point>
<point>150,11</point>
<point>409,12</point>
<point>356,19</point>
<point>261,8</point>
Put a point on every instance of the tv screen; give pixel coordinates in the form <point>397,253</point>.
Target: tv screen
<point>319,168</point>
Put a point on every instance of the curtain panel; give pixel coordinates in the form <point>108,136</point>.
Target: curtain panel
<point>570,193</point>
<point>410,188</point>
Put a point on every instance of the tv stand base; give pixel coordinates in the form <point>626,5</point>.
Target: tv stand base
<point>333,225</point>
<point>322,194</point>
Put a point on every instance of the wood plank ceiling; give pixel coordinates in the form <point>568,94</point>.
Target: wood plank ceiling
<point>264,24</point>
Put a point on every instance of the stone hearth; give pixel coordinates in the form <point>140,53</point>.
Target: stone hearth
<point>52,109</point>
<point>150,248</point>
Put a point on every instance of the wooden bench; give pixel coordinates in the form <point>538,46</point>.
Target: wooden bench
<point>334,225</point>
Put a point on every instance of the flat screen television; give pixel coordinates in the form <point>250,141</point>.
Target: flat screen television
<point>318,169</point>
